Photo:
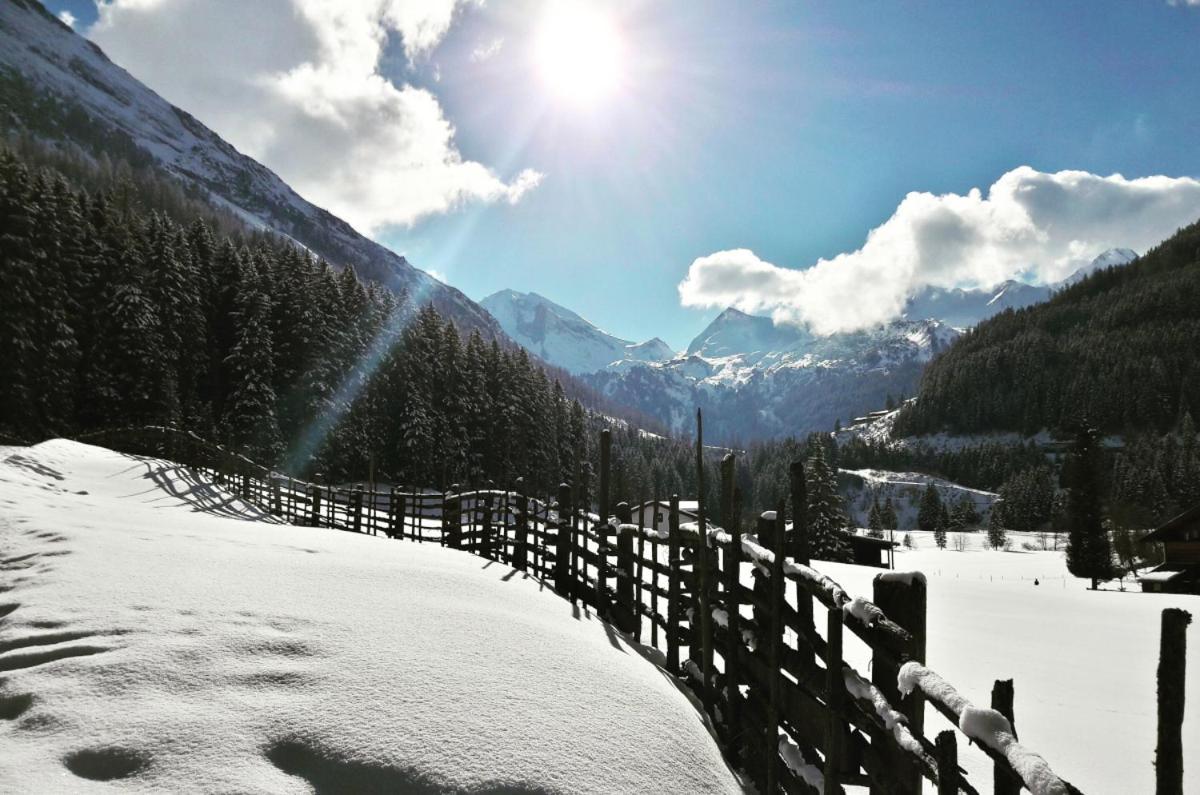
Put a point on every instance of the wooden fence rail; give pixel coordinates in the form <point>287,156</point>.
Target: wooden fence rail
<point>714,600</point>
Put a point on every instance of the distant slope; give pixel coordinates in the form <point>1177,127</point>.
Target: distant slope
<point>563,338</point>
<point>58,86</point>
<point>964,308</point>
<point>1119,347</point>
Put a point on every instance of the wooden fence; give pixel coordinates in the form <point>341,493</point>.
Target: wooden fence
<point>736,612</point>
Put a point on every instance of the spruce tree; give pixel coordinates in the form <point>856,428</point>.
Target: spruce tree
<point>929,514</point>
<point>826,516</point>
<point>1089,552</point>
<point>250,421</point>
<point>996,533</point>
<point>875,520</point>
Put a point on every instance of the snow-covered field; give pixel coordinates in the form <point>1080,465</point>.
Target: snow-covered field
<point>151,633</point>
<point>1083,663</point>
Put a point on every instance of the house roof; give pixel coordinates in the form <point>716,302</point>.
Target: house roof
<point>1172,529</point>
<point>867,541</point>
<point>1164,573</point>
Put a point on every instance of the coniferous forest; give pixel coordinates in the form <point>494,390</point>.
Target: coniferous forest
<point>114,314</point>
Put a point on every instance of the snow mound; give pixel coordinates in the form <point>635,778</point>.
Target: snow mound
<point>156,633</point>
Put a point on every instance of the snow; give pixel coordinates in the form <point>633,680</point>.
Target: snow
<point>809,774</point>
<point>863,610</point>
<point>153,628</point>
<point>1083,663</point>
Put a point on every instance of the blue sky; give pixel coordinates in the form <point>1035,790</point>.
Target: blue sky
<point>791,129</point>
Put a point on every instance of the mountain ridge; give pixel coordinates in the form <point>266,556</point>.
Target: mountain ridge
<point>72,74</point>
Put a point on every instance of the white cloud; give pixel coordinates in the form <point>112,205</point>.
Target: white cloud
<point>67,18</point>
<point>1183,2</point>
<point>488,50</point>
<point>296,85</point>
<point>1030,222</point>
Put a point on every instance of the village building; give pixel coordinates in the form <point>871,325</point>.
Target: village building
<point>1180,570</point>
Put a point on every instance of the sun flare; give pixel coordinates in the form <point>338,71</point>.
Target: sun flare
<point>578,53</point>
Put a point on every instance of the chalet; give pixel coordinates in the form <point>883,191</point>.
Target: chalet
<point>868,551</point>
<point>1180,571</point>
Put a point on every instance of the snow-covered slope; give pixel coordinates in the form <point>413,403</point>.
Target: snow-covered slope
<point>964,308</point>
<point>50,77</point>
<point>156,632</point>
<point>563,338</point>
<point>861,487</point>
<point>1082,662</point>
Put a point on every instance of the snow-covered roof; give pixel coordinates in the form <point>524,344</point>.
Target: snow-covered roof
<point>1162,574</point>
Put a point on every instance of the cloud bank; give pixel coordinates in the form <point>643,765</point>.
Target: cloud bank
<point>1032,224</point>
<point>296,84</point>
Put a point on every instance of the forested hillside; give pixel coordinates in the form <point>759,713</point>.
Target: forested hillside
<point>113,314</point>
<point>1117,348</point>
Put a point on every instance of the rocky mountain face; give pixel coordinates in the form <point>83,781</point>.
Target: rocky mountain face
<point>758,379</point>
<point>58,86</point>
<point>565,339</point>
<point>752,377</point>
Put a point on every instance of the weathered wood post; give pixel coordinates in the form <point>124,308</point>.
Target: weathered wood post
<point>774,695</point>
<point>835,689</point>
<point>562,545</point>
<point>395,513</point>
<point>902,599</point>
<point>1172,665</point>
<point>673,596</point>
<point>521,535</point>
<point>798,549</point>
<point>314,515</point>
<point>603,528</point>
<point>276,498</point>
<point>487,527</point>
<point>356,510</point>
<point>452,518</point>
<point>947,763</point>
<point>1003,782</point>
<point>731,568</point>
<point>627,612</point>
<point>702,574</point>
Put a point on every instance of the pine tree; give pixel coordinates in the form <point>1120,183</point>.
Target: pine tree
<point>826,516</point>
<point>929,513</point>
<point>996,533</point>
<point>250,421</point>
<point>1089,552</point>
<point>875,520</point>
<point>887,516</point>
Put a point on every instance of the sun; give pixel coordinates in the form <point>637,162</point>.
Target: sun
<point>578,53</point>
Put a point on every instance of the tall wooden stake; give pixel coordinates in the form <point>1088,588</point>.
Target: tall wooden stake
<point>1172,665</point>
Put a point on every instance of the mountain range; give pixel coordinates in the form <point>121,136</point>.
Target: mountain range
<point>756,378</point>
<point>57,85</point>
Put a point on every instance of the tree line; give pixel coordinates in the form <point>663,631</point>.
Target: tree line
<point>114,314</point>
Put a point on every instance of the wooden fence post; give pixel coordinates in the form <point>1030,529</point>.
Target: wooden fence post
<point>1172,665</point>
<point>603,528</point>
<point>521,537</point>
<point>701,574</point>
<point>775,641</point>
<point>487,526</point>
<point>627,612</point>
<point>395,513</point>
<point>357,507</point>
<point>1003,782</point>
<point>562,551</point>
<point>947,763</point>
<point>798,549</point>
<point>452,518</point>
<point>835,687</point>
<point>731,569</point>
<point>314,517</point>
<point>276,498</point>
<point>673,597</point>
<point>903,601</point>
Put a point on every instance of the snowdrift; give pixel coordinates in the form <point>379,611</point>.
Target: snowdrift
<point>158,632</point>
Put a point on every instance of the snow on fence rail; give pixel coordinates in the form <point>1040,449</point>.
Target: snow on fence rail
<point>792,714</point>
